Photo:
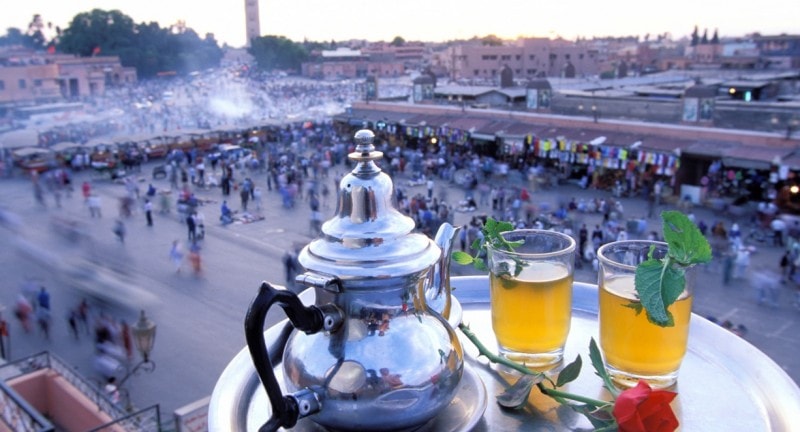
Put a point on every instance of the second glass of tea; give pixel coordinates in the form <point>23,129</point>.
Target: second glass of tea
<point>634,348</point>
<point>531,295</point>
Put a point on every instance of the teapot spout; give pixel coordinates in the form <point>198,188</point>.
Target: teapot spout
<point>437,294</point>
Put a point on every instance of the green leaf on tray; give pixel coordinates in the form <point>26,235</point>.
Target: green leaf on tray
<point>596,359</point>
<point>600,368</point>
<point>515,396</point>
<point>600,418</point>
<point>570,372</point>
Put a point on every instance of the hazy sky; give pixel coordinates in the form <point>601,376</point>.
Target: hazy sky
<point>433,20</point>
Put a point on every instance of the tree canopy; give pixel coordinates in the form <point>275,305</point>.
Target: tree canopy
<point>492,40</point>
<point>278,52</point>
<point>145,46</point>
<point>32,38</point>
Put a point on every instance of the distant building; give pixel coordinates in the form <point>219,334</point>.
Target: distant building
<point>252,23</point>
<point>28,77</point>
<point>410,54</point>
<point>349,63</point>
<point>779,52</point>
<point>527,58</point>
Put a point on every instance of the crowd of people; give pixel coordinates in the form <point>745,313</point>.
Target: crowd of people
<point>302,164</point>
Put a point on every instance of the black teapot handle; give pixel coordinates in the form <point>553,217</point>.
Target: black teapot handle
<point>286,410</point>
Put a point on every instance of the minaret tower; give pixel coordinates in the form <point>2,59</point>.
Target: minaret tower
<point>252,24</point>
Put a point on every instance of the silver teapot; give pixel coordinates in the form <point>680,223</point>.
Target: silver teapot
<point>374,353</point>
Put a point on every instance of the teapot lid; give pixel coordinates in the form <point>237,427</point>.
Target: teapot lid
<point>368,237</point>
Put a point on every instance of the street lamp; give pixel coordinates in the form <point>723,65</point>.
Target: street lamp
<point>595,113</point>
<point>144,337</point>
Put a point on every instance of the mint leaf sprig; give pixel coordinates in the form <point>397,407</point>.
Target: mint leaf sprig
<point>492,235</point>
<point>660,282</point>
<point>599,412</point>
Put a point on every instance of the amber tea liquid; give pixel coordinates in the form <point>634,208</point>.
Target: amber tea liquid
<point>635,348</point>
<point>531,312</point>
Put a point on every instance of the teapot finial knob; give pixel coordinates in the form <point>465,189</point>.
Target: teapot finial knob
<point>365,149</point>
<point>363,140</point>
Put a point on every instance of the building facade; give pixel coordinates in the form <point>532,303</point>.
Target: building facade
<point>28,77</point>
<point>527,58</point>
<point>410,54</point>
<point>779,52</point>
<point>347,63</point>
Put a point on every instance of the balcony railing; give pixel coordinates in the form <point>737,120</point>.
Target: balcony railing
<point>18,415</point>
<point>146,420</point>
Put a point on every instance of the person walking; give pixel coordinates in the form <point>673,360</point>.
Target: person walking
<point>148,212</point>
<point>257,198</point>
<point>191,226</point>
<point>119,230</point>
<point>176,255</point>
<point>93,202</point>
<point>23,311</point>
<point>112,390</point>
<point>201,173</point>
<point>244,194</point>
<point>72,320</point>
<point>200,225</point>
<point>195,259</point>
<point>597,237</point>
<point>43,298</point>
<point>43,311</point>
<point>83,315</point>
<point>583,237</point>
<point>778,227</point>
<point>127,342</point>
<point>43,318</point>
<point>86,189</point>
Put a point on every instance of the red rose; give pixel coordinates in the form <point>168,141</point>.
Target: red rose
<point>641,409</point>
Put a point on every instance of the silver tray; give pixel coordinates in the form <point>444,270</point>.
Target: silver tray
<point>724,383</point>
